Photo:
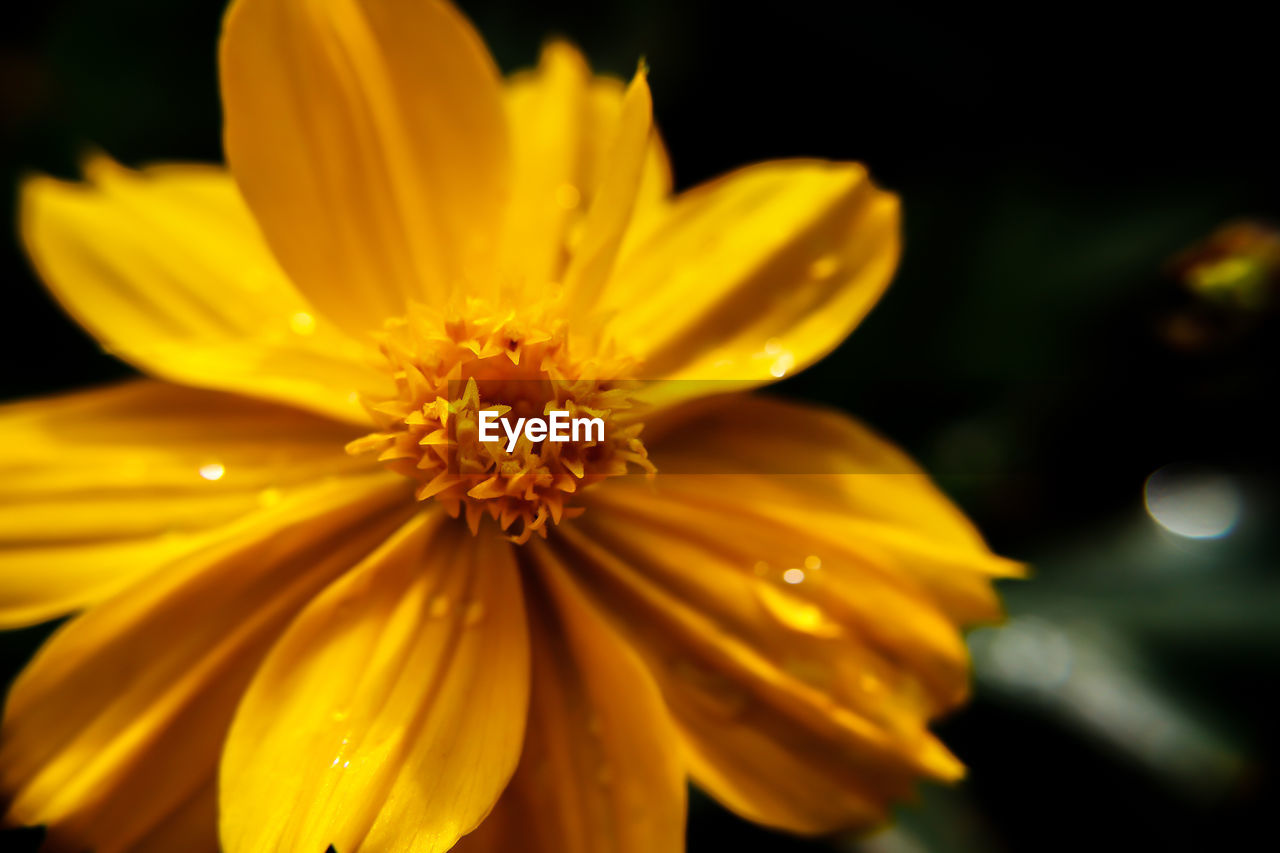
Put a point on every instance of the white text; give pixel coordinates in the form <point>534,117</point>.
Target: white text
<point>557,427</point>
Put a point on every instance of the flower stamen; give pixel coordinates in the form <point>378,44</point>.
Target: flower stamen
<point>450,367</point>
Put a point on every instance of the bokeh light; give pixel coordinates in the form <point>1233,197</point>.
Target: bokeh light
<point>1196,504</point>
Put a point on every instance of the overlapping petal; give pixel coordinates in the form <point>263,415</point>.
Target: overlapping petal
<point>167,269</point>
<point>593,256</point>
<point>390,715</point>
<point>99,488</point>
<point>111,735</point>
<point>802,626</point>
<point>370,141</point>
<point>565,124</point>
<point>601,770</point>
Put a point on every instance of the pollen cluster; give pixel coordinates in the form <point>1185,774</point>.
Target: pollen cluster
<point>450,366</point>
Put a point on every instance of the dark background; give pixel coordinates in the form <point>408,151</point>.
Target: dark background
<point>1038,352</point>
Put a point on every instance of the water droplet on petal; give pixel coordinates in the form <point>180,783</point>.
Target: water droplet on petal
<point>796,613</point>
<point>813,562</point>
<point>212,471</point>
<point>568,197</point>
<point>474,614</point>
<point>302,323</point>
<point>824,267</point>
<point>782,364</point>
<point>793,576</point>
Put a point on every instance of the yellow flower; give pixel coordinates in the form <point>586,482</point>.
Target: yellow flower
<point>284,645</point>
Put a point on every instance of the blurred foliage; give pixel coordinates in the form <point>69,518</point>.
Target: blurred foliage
<point>1048,344</point>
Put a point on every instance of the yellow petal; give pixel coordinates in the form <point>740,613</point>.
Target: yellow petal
<point>98,488</point>
<point>166,268</point>
<point>755,275</point>
<point>369,140</point>
<point>390,715</point>
<point>800,637</point>
<point>606,222</point>
<point>600,771</point>
<point>878,500</point>
<point>605,102</point>
<point>112,733</point>
<point>547,114</point>
<point>564,122</point>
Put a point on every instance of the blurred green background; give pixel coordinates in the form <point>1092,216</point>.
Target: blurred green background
<point>1042,352</point>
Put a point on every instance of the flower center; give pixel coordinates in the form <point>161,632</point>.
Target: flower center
<point>448,368</point>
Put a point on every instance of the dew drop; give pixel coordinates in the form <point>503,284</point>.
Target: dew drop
<point>302,323</point>
<point>568,197</point>
<point>782,364</point>
<point>813,562</point>
<point>824,267</point>
<point>794,612</point>
<point>212,471</point>
<point>793,576</point>
<point>474,614</point>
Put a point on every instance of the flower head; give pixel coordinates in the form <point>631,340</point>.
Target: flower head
<point>450,369</point>
<point>315,607</point>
